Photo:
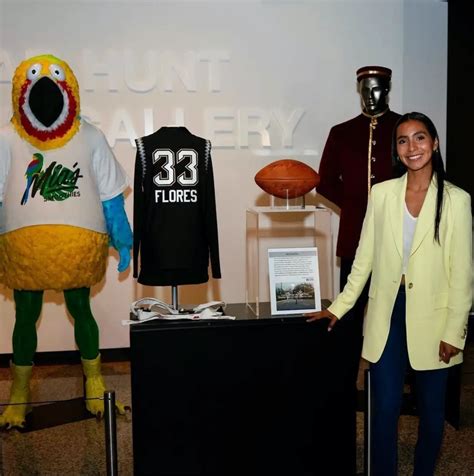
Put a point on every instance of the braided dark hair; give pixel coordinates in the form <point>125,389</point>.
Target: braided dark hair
<point>437,161</point>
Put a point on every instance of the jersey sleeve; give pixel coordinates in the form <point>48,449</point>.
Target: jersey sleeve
<point>110,177</point>
<point>211,216</point>
<point>138,203</point>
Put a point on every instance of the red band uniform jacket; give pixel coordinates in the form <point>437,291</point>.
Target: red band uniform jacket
<point>344,172</point>
<point>438,279</point>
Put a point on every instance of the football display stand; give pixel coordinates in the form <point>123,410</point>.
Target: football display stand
<point>288,203</point>
<point>270,227</point>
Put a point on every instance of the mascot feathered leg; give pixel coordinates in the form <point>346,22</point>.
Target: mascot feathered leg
<point>86,333</point>
<point>14,414</point>
<point>28,309</point>
<point>78,303</point>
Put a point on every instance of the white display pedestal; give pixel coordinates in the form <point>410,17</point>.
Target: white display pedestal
<point>269,227</point>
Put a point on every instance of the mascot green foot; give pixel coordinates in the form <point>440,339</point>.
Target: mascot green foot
<point>14,415</point>
<point>95,388</point>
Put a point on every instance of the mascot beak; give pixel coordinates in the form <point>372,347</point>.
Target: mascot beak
<point>46,101</point>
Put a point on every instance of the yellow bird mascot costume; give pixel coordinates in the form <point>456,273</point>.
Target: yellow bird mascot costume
<point>61,205</point>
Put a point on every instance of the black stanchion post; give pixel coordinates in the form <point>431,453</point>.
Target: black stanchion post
<point>110,433</point>
<point>367,423</point>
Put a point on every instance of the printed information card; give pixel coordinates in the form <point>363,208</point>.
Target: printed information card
<point>294,280</point>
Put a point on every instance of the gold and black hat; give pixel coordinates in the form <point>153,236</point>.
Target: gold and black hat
<point>371,71</point>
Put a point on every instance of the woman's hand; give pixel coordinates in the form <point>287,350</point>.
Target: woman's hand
<point>446,351</point>
<point>325,314</point>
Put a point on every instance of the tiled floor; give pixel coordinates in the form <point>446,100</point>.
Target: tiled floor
<point>71,449</point>
<point>78,448</point>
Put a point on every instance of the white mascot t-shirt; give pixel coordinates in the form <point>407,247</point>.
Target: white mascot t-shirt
<point>63,186</point>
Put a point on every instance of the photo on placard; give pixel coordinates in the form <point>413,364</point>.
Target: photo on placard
<point>294,295</point>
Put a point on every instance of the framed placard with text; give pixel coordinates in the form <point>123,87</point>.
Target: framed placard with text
<point>294,280</point>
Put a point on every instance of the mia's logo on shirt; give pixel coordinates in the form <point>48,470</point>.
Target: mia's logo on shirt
<point>55,183</point>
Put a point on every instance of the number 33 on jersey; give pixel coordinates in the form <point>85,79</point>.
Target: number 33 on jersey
<point>168,161</point>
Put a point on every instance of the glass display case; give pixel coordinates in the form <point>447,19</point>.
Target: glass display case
<point>280,227</point>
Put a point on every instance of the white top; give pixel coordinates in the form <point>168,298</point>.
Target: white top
<point>409,225</point>
<point>63,186</point>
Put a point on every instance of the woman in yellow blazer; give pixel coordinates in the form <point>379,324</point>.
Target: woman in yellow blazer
<point>416,245</point>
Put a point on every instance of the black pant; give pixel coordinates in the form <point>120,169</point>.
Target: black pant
<point>336,433</point>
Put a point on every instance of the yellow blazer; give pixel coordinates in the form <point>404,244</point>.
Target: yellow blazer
<point>438,279</point>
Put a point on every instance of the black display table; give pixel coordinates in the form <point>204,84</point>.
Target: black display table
<point>229,397</point>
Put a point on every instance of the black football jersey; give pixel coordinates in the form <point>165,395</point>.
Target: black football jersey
<point>175,223</point>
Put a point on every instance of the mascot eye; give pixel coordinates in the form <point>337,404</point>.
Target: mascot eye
<point>34,71</point>
<point>57,72</point>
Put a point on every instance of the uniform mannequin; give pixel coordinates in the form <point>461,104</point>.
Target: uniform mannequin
<point>357,155</point>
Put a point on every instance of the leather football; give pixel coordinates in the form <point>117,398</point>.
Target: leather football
<point>287,178</point>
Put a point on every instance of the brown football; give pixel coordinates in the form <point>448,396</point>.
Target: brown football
<point>287,178</point>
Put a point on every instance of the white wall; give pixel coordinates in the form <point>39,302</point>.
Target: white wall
<point>425,62</point>
<point>235,72</point>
